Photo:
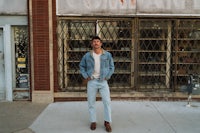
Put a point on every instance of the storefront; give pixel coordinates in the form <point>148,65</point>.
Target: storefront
<point>150,54</point>
<point>14,51</point>
<point>155,46</point>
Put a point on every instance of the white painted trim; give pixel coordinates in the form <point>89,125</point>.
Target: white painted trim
<point>31,46</point>
<point>57,7</point>
<point>51,48</point>
<point>8,62</point>
<point>13,60</point>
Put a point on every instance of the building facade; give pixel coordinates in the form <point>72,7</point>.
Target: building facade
<point>155,46</point>
<point>14,47</point>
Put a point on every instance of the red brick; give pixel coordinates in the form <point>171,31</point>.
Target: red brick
<point>41,44</point>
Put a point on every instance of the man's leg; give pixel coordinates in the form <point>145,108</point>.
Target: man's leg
<point>105,94</point>
<point>91,97</point>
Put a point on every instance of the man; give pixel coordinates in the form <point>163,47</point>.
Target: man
<point>96,67</point>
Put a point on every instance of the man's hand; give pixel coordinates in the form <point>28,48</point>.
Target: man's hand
<point>88,79</point>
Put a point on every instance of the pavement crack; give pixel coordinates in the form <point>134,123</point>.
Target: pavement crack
<point>162,116</point>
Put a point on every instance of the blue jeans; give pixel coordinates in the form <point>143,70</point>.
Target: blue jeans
<point>94,86</point>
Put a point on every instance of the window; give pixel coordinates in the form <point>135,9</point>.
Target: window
<point>22,89</point>
<point>149,54</point>
<point>74,41</point>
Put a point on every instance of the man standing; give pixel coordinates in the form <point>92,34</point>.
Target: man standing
<point>96,67</point>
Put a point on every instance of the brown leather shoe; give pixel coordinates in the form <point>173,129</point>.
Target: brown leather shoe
<point>107,126</point>
<point>93,126</point>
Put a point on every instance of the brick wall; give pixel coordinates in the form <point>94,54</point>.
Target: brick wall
<point>40,31</point>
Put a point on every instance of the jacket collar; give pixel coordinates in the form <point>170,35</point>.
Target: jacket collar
<point>103,51</point>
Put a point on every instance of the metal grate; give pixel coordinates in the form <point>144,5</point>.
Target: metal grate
<point>74,41</point>
<point>186,50</point>
<point>154,53</point>
<point>149,54</point>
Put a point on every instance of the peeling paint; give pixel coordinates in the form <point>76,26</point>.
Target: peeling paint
<point>110,7</point>
<point>128,7</point>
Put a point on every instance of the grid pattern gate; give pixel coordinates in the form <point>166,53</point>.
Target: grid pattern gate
<point>149,54</point>
<point>186,51</point>
<point>74,41</point>
<point>154,55</point>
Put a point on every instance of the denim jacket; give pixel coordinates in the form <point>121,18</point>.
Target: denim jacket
<point>106,65</point>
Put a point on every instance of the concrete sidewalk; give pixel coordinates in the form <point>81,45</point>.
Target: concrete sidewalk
<point>17,116</point>
<point>128,117</point>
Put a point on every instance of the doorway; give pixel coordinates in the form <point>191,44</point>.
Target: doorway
<point>2,68</point>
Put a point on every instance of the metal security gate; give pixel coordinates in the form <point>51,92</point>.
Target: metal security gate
<point>74,41</point>
<point>152,55</point>
<point>185,51</point>
<point>22,68</point>
<point>168,52</point>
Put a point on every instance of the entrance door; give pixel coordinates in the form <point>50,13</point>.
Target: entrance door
<point>2,69</point>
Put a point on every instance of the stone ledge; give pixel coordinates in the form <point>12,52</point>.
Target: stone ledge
<point>155,96</point>
<point>42,97</point>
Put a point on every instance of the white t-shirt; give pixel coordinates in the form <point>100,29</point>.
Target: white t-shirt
<point>96,73</point>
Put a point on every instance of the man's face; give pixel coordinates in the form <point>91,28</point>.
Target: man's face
<point>96,44</point>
